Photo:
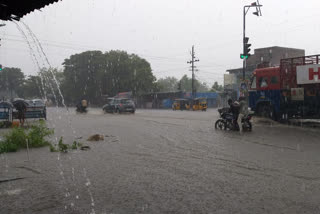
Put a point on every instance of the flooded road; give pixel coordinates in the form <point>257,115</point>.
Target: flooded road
<point>162,161</point>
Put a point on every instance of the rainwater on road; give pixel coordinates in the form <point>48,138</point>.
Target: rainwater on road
<point>162,161</point>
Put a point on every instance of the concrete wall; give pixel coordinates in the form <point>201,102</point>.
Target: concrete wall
<point>273,55</point>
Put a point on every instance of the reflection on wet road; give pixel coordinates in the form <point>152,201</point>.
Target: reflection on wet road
<point>161,161</point>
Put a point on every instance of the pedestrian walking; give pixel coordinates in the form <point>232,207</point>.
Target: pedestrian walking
<point>243,110</point>
<point>21,107</point>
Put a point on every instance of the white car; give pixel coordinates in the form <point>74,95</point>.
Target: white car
<point>38,103</point>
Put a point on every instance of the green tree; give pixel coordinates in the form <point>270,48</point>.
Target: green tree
<point>32,87</point>
<point>92,74</point>
<point>186,85</point>
<point>216,87</point>
<point>168,84</point>
<point>11,81</point>
<point>82,76</point>
<point>51,80</point>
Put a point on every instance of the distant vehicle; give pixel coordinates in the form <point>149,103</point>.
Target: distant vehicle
<point>29,102</point>
<point>199,104</point>
<point>119,105</point>
<point>125,105</point>
<point>110,106</point>
<point>5,114</point>
<point>38,103</point>
<point>181,104</point>
<point>35,108</point>
<point>288,91</point>
<point>81,107</point>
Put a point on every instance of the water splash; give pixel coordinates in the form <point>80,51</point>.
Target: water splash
<point>47,60</point>
<point>46,79</point>
<point>40,48</point>
<point>87,184</point>
<point>33,57</point>
<point>43,78</point>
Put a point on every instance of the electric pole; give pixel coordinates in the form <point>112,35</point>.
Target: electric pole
<point>193,60</point>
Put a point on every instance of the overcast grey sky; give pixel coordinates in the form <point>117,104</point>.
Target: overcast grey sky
<point>163,32</point>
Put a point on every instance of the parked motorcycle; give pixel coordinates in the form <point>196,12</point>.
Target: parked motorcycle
<point>226,121</point>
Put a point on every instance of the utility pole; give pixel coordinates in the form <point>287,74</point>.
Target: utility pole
<point>193,60</point>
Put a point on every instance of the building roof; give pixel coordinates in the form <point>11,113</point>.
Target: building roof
<point>16,9</point>
<point>278,47</point>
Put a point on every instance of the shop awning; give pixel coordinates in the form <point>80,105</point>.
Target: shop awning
<point>16,9</point>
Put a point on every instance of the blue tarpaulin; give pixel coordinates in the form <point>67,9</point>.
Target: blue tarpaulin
<point>167,103</point>
<point>207,95</point>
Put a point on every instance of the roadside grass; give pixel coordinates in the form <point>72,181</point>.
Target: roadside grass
<point>17,138</point>
<point>62,147</point>
<point>35,136</point>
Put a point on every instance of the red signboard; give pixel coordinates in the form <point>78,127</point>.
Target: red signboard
<point>268,78</point>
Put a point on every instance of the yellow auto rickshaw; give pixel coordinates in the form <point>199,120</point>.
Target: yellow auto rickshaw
<point>181,104</point>
<point>200,104</point>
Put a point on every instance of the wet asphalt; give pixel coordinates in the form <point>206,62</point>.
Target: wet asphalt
<point>163,161</point>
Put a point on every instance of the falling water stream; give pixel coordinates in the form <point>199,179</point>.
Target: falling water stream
<point>37,42</point>
<point>44,78</point>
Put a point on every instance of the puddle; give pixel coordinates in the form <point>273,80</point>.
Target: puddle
<point>11,192</point>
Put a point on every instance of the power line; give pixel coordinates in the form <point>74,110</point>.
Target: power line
<point>210,72</point>
<point>82,47</point>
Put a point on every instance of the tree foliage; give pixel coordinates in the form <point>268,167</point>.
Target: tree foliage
<point>167,84</point>
<point>32,87</point>
<point>216,87</point>
<point>11,81</point>
<point>186,84</point>
<point>88,75</point>
<point>94,74</point>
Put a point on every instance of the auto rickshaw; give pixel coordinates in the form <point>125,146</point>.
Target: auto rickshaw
<point>200,104</point>
<point>181,104</point>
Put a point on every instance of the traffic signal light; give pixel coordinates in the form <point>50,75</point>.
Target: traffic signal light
<point>246,51</point>
<point>242,56</point>
<point>0,67</point>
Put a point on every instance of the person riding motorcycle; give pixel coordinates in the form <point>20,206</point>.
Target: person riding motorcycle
<point>82,106</point>
<point>234,110</point>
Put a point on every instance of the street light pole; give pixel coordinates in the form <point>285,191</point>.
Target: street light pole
<point>245,11</point>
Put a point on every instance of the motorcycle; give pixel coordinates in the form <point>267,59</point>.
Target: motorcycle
<point>226,121</point>
<point>225,118</point>
<point>81,109</point>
